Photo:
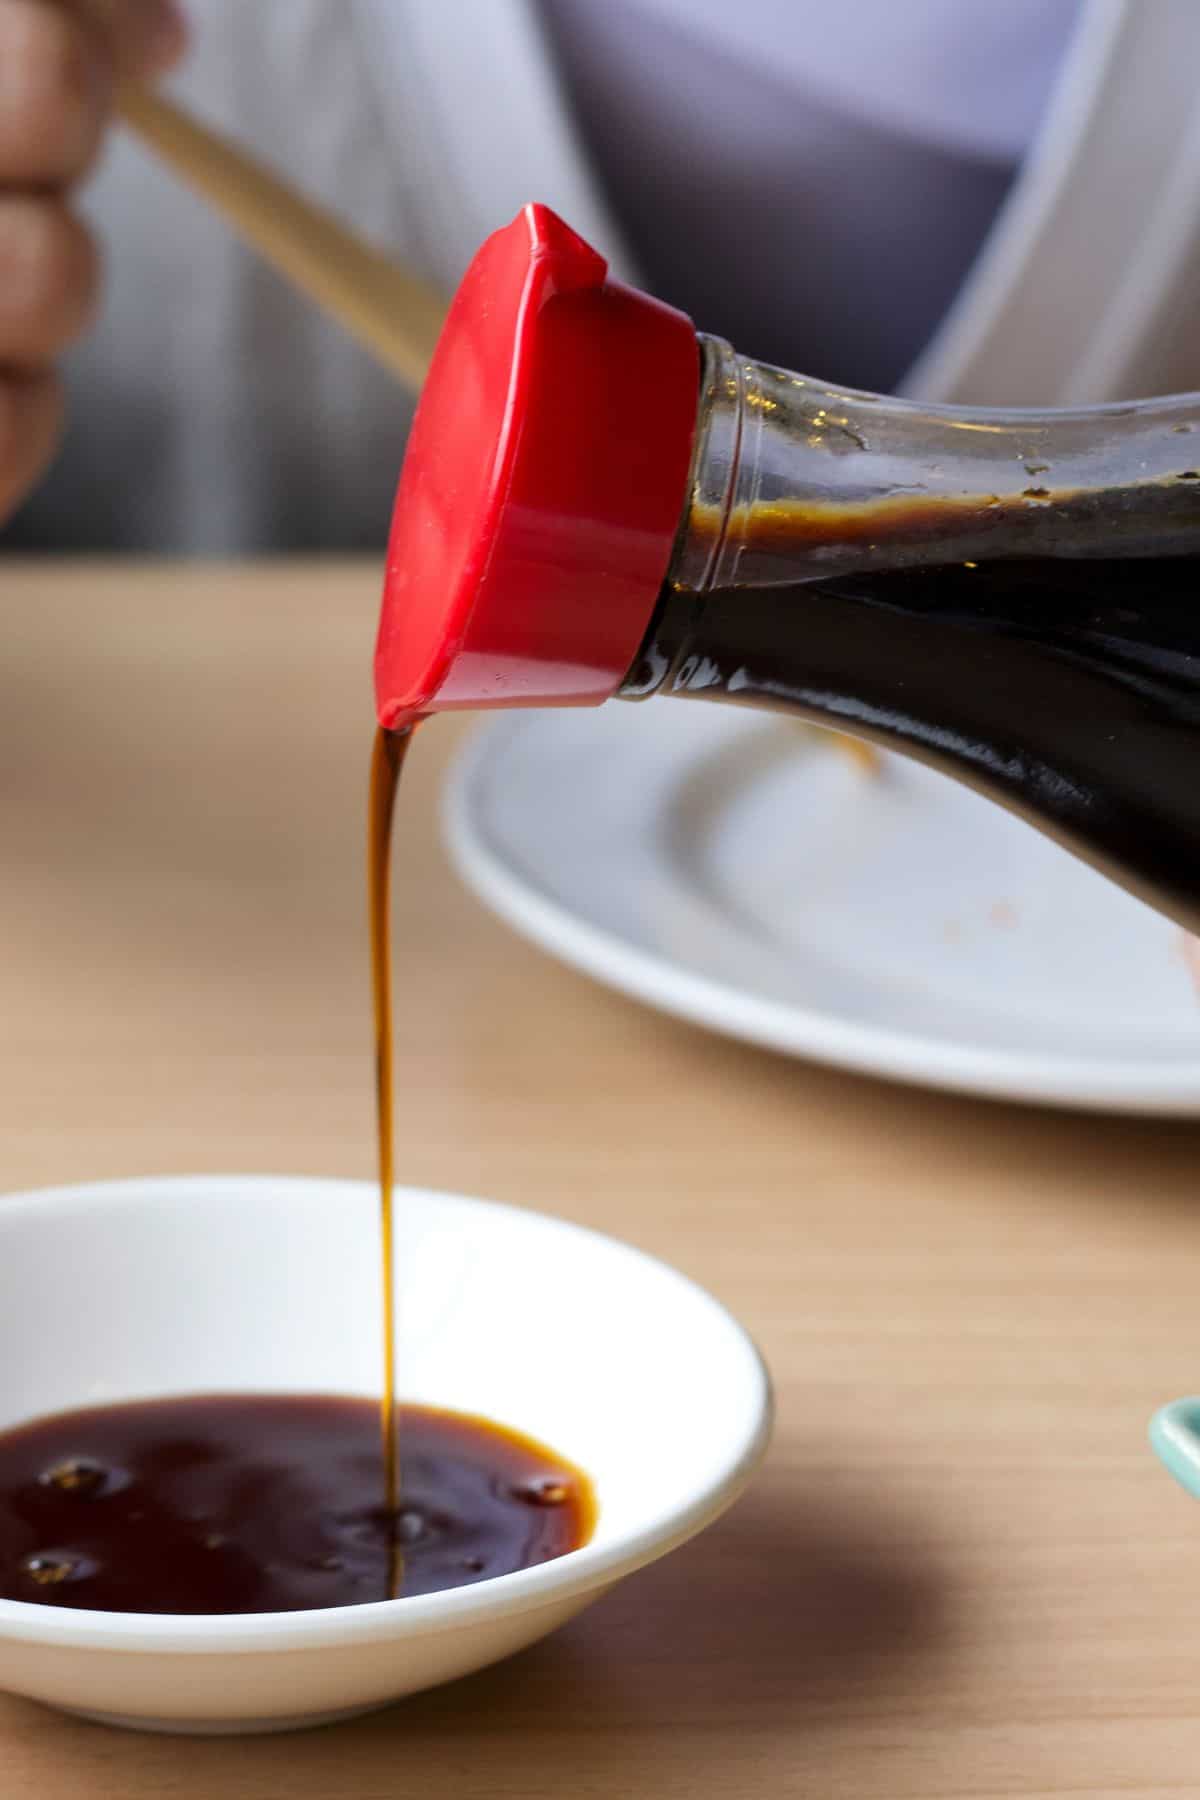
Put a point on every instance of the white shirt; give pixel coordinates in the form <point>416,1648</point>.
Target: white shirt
<point>811,181</point>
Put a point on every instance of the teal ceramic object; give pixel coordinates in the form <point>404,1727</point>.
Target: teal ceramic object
<point>1175,1437</point>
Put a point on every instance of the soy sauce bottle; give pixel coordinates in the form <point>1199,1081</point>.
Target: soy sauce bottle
<point>596,501</point>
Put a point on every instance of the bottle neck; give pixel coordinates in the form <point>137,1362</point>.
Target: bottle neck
<point>1010,597</point>
<point>793,481</point>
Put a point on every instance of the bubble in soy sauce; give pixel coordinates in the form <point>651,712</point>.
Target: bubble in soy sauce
<point>410,1526</point>
<point>545,1492</point>
<point>79,1475</point>
<point>50,1568</point>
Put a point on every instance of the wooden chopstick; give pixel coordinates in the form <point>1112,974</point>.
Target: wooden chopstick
<point>395,315</point>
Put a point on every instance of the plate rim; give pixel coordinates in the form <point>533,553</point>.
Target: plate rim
<point>1048,1079</point>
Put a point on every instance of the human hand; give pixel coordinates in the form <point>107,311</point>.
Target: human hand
<point>59,63</point>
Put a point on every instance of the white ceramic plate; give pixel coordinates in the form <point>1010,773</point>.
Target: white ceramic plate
<point>742,873</point>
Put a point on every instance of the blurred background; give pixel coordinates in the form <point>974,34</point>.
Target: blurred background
<point>986,203</point>
<point>993,205</point>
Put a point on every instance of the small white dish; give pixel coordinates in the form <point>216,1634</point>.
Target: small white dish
<point>735,870</point>
<point>123,1290</point>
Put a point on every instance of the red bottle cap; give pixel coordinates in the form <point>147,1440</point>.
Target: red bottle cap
<point>543,484</point>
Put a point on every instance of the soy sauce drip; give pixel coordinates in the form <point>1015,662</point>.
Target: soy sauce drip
<point>387,760</point>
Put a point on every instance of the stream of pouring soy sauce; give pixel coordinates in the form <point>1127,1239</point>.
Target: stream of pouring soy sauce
<point>387,760</point>
<point>238,1503</point>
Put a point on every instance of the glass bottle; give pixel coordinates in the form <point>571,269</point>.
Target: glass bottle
<point>1011,597</point>
<point>596,501</point>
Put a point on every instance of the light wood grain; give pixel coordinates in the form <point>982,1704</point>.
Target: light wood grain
<point>390,311</point>
<point>960,1573</point>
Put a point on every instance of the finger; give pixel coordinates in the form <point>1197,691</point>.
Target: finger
<point>49,276</point>
<point>54,87</point>
<point>30,421</point>
<point>144,37</point>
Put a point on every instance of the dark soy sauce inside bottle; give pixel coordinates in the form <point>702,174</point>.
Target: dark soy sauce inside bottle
<point>1013,598</point>
<point>998,671</point>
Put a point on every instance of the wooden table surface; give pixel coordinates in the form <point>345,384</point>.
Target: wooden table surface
<point>960,1572</point>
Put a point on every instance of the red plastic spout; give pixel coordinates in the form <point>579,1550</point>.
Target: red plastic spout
<point>543,484</point>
